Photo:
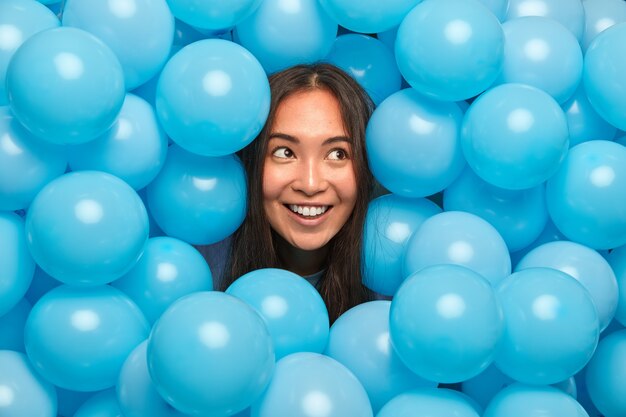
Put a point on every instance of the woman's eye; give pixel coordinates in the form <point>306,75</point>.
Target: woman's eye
<point>282,152</point>
<point>338,154</point>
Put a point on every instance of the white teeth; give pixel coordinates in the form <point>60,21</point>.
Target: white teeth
<point>308,211</point>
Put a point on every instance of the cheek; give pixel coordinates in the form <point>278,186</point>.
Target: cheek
<point>347,186</point>
<point>272,183</point>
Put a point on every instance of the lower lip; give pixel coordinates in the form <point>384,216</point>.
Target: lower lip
<point>308,221</point>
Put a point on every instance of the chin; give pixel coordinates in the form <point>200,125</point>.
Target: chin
<point>308,244</point>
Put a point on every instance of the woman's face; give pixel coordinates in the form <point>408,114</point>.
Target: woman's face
<point>309,183</point>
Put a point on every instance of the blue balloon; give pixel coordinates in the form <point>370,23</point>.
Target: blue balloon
<point>102,404</point>
<point>198,199</point>
<point>541,52</point>
<point>309,384</point>
<point>569,13</point>
<point>433,402</point>
<point>515,136</point>
<point>586,196</point>
<point>601,15</point>
<point>617,260</point>
<point>533,401</point>
<point>16,263</point>
<point>445,323</point>
<point>603,75</point>
<point>368,16</point>
<point>606,377</point>
<point>359,339</point>
<point>230,95</point>
<point>24,392</point>
<point>140,32</point>
<point>72,67</point>
<point>584,264</point>
<point>413,144</point>
<point>497,7</point>
<point>12,326</point>
<point>19,20</point>
<point>293,310</point>
<point>551,326</point>
<point>86,228</point>
<point>210,354</point>
<point>134,149</point>
<point>518,215</point>
<point>450,49</point>
<point>213,15</point>
<point>458,238</point>
<point>78,338</point>
<point>369,61</point>
<point>284,33</point>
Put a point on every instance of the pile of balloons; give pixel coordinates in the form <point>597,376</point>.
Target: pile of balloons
<point>499,250</point>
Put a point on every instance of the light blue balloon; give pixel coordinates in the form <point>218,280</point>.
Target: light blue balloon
<point>139,32</point>
<point>617,260</point>
<point>86,228</point>
<point>584,264</point>
<point>369,61</point>
<point>541,52</point>
<point>603,75</point>
<point>413,144</point>
<point>198,199</point>
<point>136,393</point>
<point>284,33</point>
<point>306,384</point>
<point>533,401</point>
<point>515,136</point>
<point>600,15</point>
<point>497,7</point>
<point>458,238</point>
<point>24,392</point>
<point>16,263</point>
<point>586,196</point>
<point>134,149</point>
<point>167,270</point>
<point>450,49</point>
<point>359,340</point>
<point>12,326</point>
<point>293,310</point>
<point>368,16</point>
<point>27,163</point>
<point>19,20</point>
<point>78,338</point>
<point>210,354</point>
<point>390,221</point>
<point>433,402</point>
<point>211,14</point>
<point>518,215</point>
<point>102,404</point>
<point>230,95</point>
<point>70,66</point>
<point>551,326</point>
<point>569,13</point>
<point>445,323</point>
<point>605,377</point>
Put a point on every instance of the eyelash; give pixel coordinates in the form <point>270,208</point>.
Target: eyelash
<point>345,153</point>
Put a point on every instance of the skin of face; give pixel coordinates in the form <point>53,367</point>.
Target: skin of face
<point>309,164</point>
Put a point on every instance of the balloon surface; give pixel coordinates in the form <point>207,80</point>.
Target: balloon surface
<point>213,15</point>
<point>605,375</point>
<point>102,404</point>
<point>533,401</point>
<point>617,260</point>
<point>569,13</point>
<point>368,16</point>
<point>601,15</point>
<point>433,402</point>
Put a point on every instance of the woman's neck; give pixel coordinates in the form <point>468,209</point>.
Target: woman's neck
<point>298,261</point>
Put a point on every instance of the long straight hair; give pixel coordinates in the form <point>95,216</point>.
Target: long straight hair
<point>254,244</point>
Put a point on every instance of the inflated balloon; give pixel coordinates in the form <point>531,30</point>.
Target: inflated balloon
<point>134,149</point>
<point>12,326</point>
<point>583,122</point>
<point>541,52</point>
<point>102,404</point>
<point>140,32</point>
<point>390,221</point>
<point>229,91</point>
<point>19,20</point>
<point>433,402</point>
<point>74,68</point>
<point>368,16</point>
<point>445,323</point>
<point>497,7</point>
<point>16,263</point>
<point>294,311</point>
<point>602,75</point>
<point>359,340</point>
<point>413,144</point>
<point>210,354</point>
<point>605,375</point>
<point>78,338</point>
<point>515,136</point>
<point>569,13</point>
<point>601,15</point>
<point>284,33</point>
<point>450,49</point>
<point>369,61</point>
<point>586,265</point>
<point>309,384</point>
<point>198,199</point>
<point>458,238</point>
<point>551,326</point>
<point>533,401</point>
<point>617,260</point>
<point>23,392</point>
<point>211,14</point>
<point>586,196</point>
<point>86,228</point>
<point>518,215</point>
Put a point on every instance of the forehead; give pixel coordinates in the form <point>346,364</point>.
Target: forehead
<point>309,109</point>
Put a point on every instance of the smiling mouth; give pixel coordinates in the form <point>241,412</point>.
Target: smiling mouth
<point>308,212</point>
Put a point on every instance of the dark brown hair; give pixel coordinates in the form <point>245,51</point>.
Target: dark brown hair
<point>254,246</point>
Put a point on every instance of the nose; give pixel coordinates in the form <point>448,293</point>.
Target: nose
<point>311,178</point>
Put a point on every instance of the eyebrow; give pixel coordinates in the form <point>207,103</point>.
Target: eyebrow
<point>293,139</point>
